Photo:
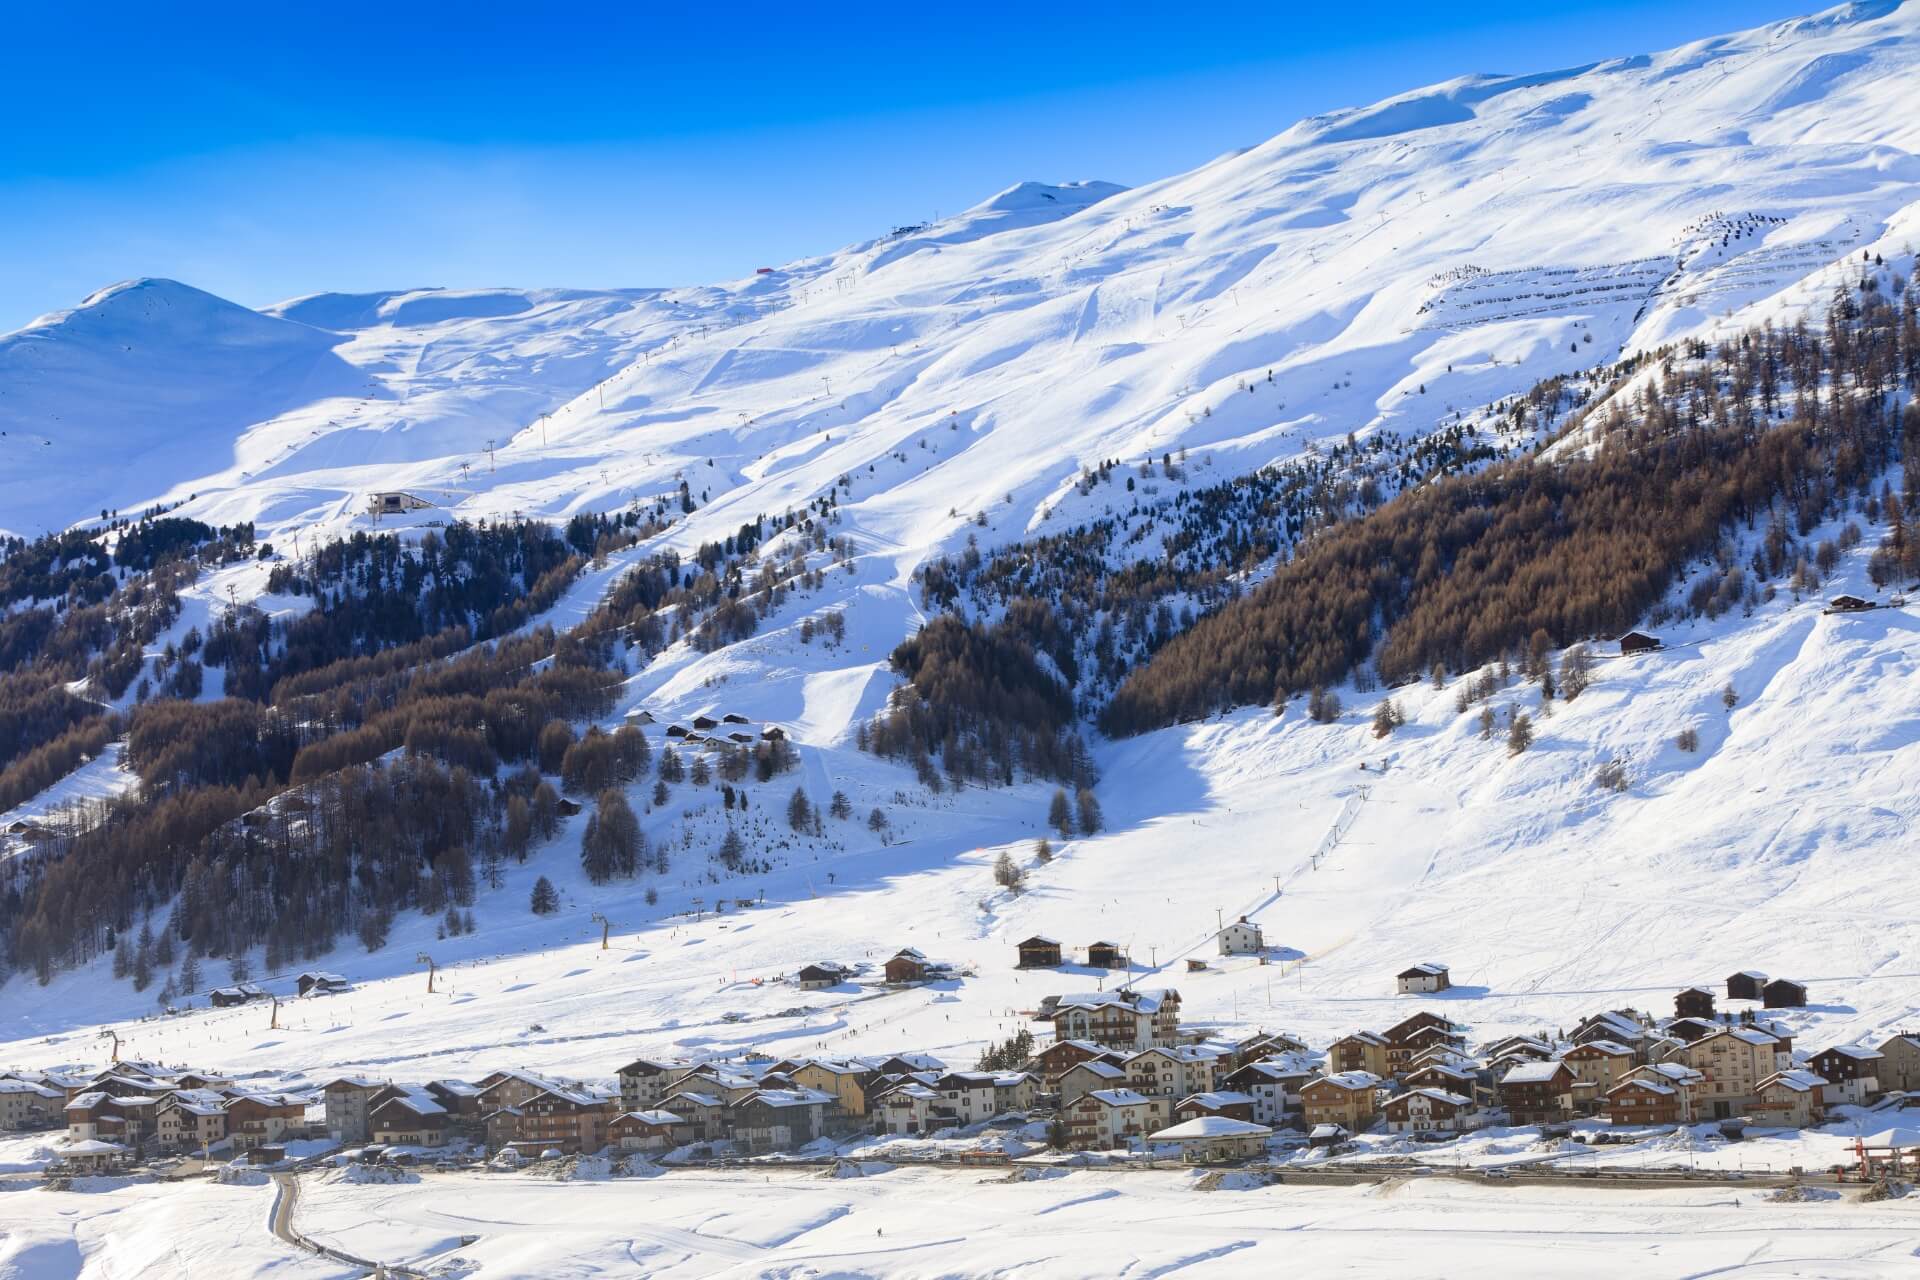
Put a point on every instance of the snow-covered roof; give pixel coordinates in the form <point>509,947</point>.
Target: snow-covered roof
<point>1446,1096</point>
<point>1116,1097</point>
<point>1858,1052</point>
<point>1219,1098</point>
<point>1425,969</point>
<point>1102,1068</point>
<point>418,1101</point>
<point>91,1147</point>
<point>1797,1080</point>
<point>653,1117</point>
<point>1211,1127</point>
<point>1534,1072</point>
<point>1349,1080</point>
<point>1613,1048</point>
<point>1640,1082</point>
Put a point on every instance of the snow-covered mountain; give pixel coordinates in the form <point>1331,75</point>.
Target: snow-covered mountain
<point>1373,269</point>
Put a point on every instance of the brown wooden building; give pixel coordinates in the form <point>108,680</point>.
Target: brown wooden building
<point>1039,952</point>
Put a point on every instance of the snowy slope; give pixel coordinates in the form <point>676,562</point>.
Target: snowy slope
<point>1385,265</point>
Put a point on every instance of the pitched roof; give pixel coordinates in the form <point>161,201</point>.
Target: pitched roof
<point>1535,1072</point>
<point>1425,969</point>
<point>1348,1080</point>
<point>1447,1096</point>
<point>1117,1097</point>
<point>1211,1127</point>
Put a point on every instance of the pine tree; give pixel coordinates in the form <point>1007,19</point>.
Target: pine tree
<point>840,806</point>
<point>1729,697</point>
<point>545,901</point>
<point>1576,671</point>
<point>1060,814</point>
<point>1486,723</point>
<point>1007,875</point>
<point>799,811</point>
<point>1091,819</point>
<point>1519,734</point>
<point>190,980</point>
<point>1042,851</point>
<point>1384,718</point>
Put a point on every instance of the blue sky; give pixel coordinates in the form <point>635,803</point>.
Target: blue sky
<point>270,151</point>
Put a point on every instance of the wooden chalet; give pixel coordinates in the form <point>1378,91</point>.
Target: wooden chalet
<point>1538,1092</point>
<point>315,982</point>
<point>1694,1002</point>
<point>239,993</point>
<point>705,723</point>
<point>1783,993</point>
<point>734,717</point>
<point>1038,952</point>
<point>817,977</point>
<point>1848,604</point>
<point>1638,642</point>
<point>1423,979</point>
<point>1748,984</point>
<point>1106,955</point>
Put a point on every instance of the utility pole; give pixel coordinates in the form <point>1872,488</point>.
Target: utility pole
<point>490,466</point>
<point>602,922</point>
<point>427,960</point>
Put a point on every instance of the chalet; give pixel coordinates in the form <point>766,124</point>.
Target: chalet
<point>1789,1100</point>
<point>638,717</point>
<point>1444,1076</point>
<point>724,1082</point>
<point>1106,955</point>
<point>1597,1066</point>
<point>968,1096</point>
<point>317,983</point>
<point>1848,604</point>
<point>1172,1071</point>
<point>644,1130</point>
<point>1851,1073</point>
<point>734,717</point>
<point>705,723</point>
<point>346,1099</point>
<point>123,1118</point>
<point>774,733</point>
<point>1538,1093</point>
<point>393,502</point>
<point>905,1108</point>
<point>1644,1101</point>
<point>739,739</point>
<point>1109,1118</point>
<point>1694,1002</point>
<point>1637,642</point>
<point>408,1117</point>
<point>818,977</point>
<point>565,1119</point>
<point>676,731</point>
<point>1265,1044</point>
<point>1427,1110</point>
<point>1015,1091</point>
<point>1522,1046</point>
<point>241,993</point>
<point>1038,952</point>
<point>1349,1099</point>
<point>643,1082</point>
<point>1732,1062</point>
<point>1062,1055</point>
<point>1423,979</point>
<point>1085,1077</point>
<point>1241,938</point>
<point>1124,1019</point>
<point>906,965</point>
<point>1899,1066</point>
<point>908,1063</point>
<point>704,1113</point>
<point>1622,1025</point>
<point>190,1118</point>
<point>1236,1106</point>
<point>1274,1085</point>
<point>778,1119</point>
<point>511,1088</point>
<point>1361,1051</point>
<point>1687,1030</point>
<point>1402,1049</point>
<point>255,1119</point>
<point>1748,984</point>
<point>26,1104</point>
<point>1783,994</point>
<point>844,1082</point>
<point>466,1113</point>
<point>1212,1139</point>
<point>567,808</point>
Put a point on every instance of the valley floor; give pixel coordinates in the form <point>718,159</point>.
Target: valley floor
<point>925,1223</point>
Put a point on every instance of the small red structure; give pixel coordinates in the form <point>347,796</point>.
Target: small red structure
<point>763,271</point>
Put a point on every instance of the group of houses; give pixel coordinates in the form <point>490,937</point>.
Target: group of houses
<point>728,728</point>
<point>114,1116</point>
<point>1117,1071</point>
<point>1241,938</point>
